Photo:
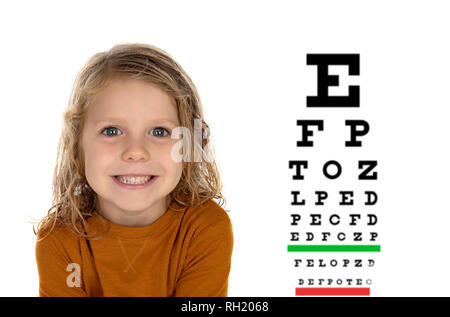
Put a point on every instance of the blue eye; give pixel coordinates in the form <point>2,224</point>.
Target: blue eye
<point>159,132</point>
<point>109,129</point>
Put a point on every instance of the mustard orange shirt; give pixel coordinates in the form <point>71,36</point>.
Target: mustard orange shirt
<point>183,253</point>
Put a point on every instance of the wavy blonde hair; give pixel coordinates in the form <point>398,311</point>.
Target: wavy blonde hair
<point>73,200</point>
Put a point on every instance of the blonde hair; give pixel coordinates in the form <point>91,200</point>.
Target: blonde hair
<point>73,199</point>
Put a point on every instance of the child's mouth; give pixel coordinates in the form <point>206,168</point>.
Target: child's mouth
<point>135,182</point>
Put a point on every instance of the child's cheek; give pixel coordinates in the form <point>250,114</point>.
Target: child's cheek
<point>166,159</point>
<point>105,153</point>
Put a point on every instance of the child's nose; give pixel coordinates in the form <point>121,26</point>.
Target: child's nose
<point>137,151</point>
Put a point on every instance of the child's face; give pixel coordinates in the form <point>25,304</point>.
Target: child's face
<point>134,143</point>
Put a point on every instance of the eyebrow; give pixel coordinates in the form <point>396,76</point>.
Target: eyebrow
<point>120,120</point>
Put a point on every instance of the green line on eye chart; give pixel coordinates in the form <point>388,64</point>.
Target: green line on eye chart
<point>334,248</point>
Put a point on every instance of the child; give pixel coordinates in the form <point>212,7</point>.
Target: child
<point>130,218</point>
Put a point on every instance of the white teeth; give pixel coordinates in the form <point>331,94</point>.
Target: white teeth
<point>134,180</point>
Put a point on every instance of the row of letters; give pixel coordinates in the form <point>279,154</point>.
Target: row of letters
<point>334,262</point>
<point>340,236</point>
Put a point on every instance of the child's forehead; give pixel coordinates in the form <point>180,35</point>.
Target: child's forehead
<point>131,100</point>
<point>129,120</point>
<point>125,87</point>
<point>124,93</point>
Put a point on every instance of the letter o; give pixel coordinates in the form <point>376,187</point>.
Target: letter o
<point>338,166</point>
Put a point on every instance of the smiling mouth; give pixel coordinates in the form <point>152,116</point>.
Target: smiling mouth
<point>134,180</point>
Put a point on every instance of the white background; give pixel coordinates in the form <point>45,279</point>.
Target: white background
<point>248,61</point>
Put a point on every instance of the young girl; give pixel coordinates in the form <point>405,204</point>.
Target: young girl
<point>130,217</point>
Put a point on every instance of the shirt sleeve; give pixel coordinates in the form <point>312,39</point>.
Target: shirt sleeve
<point>205,272</point>
<point>59,276</point>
